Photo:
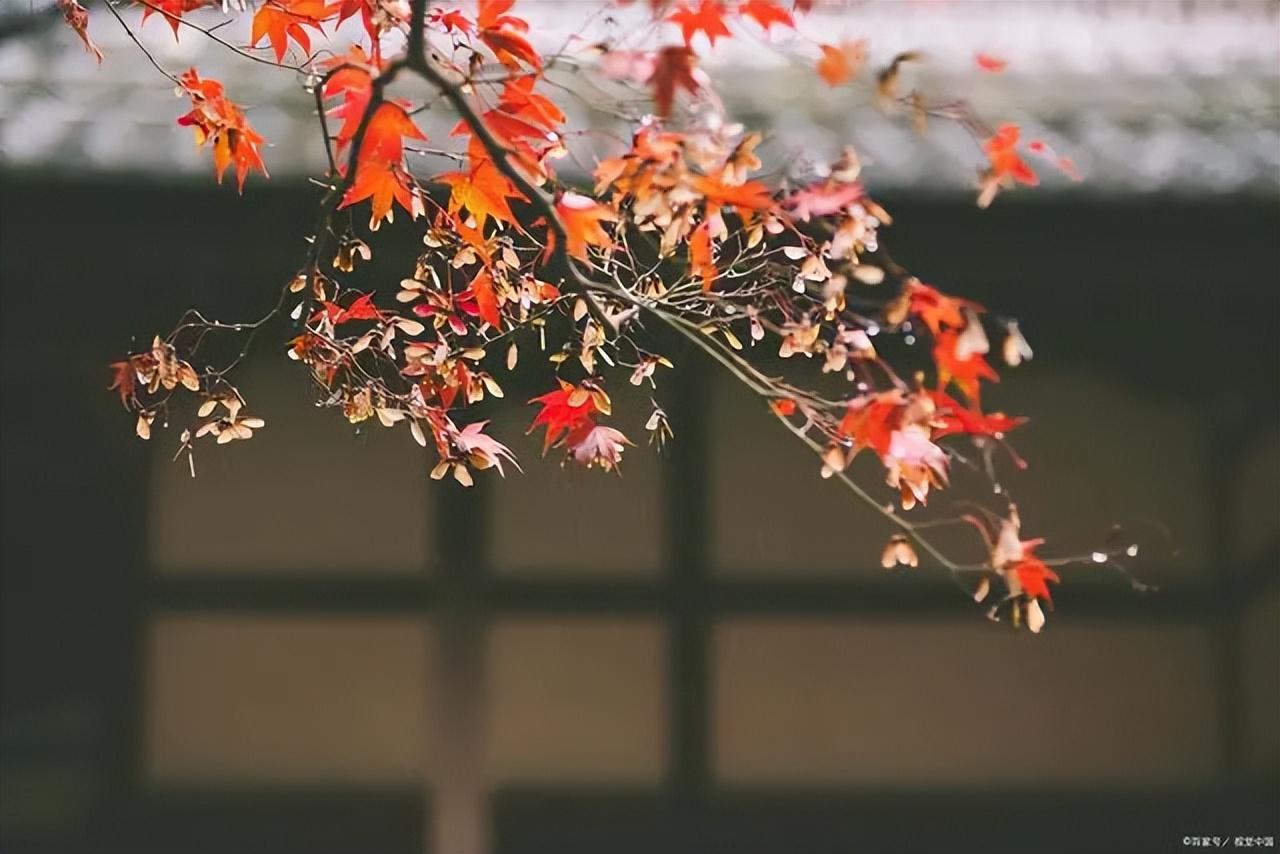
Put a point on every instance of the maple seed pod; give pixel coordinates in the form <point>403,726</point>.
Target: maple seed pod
<point>1035,616</point>
<point>973,340</point>
<point>143,428</point>
<point>833,460</point>
<point>899,551</point>
<point>1015,350</point>
<point>868,274</point>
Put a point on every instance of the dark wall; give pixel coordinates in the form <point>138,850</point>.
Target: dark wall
<point>1174,299</point>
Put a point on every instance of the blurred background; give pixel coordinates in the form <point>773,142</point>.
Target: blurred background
<point>311,647</point>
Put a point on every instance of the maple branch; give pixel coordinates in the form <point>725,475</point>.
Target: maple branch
<point>419,62</point>
<point>338,190</point>
<point>739,368</point>
<point>134,38</point>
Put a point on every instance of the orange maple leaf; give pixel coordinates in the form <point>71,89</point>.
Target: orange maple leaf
<point>582,218</point>
<point>483,192</point>
<point>841,63</point>
<point>701,260</point>
<point>501,33</point>
<point>708,18</point>
<point>748,196</point>
<point>350,77</point>
<point>384,135</point>
<point>966,373</point>
<point>936,309</point>
<point>519,99</point>
<point>220,121</point>
<point>382,182</point>
<point>486,299</point>
<point>281,20</point>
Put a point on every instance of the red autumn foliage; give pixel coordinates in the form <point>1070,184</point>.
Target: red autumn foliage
<point>689,227</point>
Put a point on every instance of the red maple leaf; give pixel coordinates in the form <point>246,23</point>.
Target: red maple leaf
<point>672,70</point>
<point>936,309</point>
<point>990,62</point>
<point>172,10</point>
<point>367,9</point>
<point>361,308</point>
<point>519,99</point>
<point>565,411</point>
<point>450,21</point>
<point>1006,162</point>
<point>766,13</point>
<point>124,378</point>
<point>502,34</point>
<point>1033,574</point>
<point>965,373</point>
<point>708,18</point>
<point>870,421</point>
<point>953,417</point>
<point>841,63</point>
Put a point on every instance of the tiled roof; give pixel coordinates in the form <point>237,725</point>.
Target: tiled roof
<point>1144,96</point>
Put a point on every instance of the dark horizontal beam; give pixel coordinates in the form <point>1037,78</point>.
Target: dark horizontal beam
<point>1022,819</point>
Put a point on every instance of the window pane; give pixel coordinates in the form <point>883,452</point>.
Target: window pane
<point>772,513</point>
<point>1260,670</point>
<point>270,504</point>
<point>961,703</point>
<point>305,700</point>
<point>577,700</point>
<point>1257,503</point>
<point>554,520</point>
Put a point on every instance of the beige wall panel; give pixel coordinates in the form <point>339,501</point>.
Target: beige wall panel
<point>304,495</point>
<point>1260,672</point>
<point>1100,455</point>
<point>880,703</point>
<point>244,700</point>
<point>577,701</point>
<point>558,521</point>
